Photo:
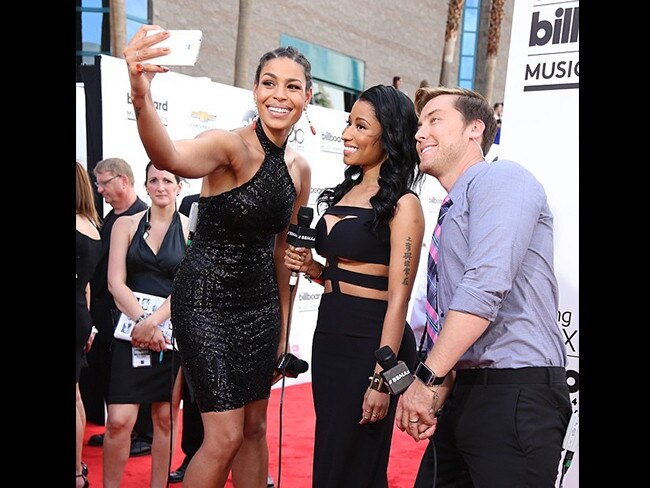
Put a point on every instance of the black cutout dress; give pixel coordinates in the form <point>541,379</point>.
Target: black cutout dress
<point>348,331</point>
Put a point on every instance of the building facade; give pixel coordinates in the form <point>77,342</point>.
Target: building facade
<point>351,46</point>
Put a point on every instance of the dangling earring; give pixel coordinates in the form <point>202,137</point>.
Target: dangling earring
<point>255,117</point>
<point>313,131</point>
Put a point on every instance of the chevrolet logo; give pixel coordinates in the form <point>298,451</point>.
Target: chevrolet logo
<point>203,116</point>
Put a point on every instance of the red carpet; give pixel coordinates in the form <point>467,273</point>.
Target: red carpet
<point>297,448</point>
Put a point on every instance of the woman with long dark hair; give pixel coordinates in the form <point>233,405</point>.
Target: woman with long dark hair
<point>371,235</point>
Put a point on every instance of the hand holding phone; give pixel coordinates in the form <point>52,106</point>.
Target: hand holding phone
<point>184,46</point>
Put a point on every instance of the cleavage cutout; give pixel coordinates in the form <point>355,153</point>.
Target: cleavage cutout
<point>362,272</point>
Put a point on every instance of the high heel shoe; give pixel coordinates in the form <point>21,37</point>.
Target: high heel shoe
<point>86,483</point>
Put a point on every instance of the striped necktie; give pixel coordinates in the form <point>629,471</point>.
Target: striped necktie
<point>431,307</point>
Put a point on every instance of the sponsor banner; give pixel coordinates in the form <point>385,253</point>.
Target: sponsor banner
<point>540,131</point>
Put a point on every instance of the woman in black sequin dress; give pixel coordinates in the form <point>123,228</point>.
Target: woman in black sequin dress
<point>371,235</point>
<point>230,299</point>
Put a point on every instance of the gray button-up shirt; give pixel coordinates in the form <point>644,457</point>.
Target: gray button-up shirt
<point>496,261</point>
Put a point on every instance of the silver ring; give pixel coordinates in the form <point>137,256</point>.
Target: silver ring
<point>414,421</point>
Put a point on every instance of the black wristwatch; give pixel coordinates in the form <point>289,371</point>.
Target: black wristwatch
<point>426,376</point>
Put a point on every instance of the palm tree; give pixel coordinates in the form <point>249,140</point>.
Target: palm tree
<point>494,33</point>
<point>118,27</point>
<point>241,51</point>
<point>451,38</point>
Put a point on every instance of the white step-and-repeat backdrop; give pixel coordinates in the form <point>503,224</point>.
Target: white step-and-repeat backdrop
<point>540,131</point>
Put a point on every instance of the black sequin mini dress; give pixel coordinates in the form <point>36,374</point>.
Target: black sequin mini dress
<point>225,305</point>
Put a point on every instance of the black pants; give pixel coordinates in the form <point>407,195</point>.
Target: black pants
<point>499,428</point>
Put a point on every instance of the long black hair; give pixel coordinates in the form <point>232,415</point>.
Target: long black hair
<point>400,171</point>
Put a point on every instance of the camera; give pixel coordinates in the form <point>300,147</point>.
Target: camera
<point>291,366</point>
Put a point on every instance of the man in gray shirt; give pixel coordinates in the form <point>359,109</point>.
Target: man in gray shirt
<point>498,364</point>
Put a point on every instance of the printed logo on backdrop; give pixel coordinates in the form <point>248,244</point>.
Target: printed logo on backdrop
<point>297,138</point>
<point>314,193</point>
<point>308,302</point>
<point>553,47</point>
<point>201,119</point>
<point>247,118</point>
<point>331,143</point>
<point>162,107</point>
<point>569,331</point>
<point>570,335</point>
<point>434,205</point>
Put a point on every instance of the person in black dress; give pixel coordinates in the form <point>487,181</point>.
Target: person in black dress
<point>146,249</point>
<point>89,247</point>
<point>230,299</point>
<point>371,235</point>
<point>114,181</point>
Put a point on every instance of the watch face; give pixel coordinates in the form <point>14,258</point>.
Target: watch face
<point>424,374</point>
<point>428,377</point>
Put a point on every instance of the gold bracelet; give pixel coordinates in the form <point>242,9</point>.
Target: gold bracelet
<point>377,383</point>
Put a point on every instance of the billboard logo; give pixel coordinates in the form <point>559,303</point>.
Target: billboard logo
<point>161,107</point>
<point>331,143</point>
<point>308,296</point>
<point>553,49</point>
<point>563,30</point>
<point>308,302</point>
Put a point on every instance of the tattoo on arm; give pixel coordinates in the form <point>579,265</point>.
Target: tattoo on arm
<point>407,261</point>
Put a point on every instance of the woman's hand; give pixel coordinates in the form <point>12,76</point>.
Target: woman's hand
<point>143,333</point>
<point>298,259</point>
<point>157,342</point>
<point>374,407</point>
<point>137,51</point>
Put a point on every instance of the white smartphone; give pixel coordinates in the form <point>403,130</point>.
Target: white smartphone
<point>184,45</point>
